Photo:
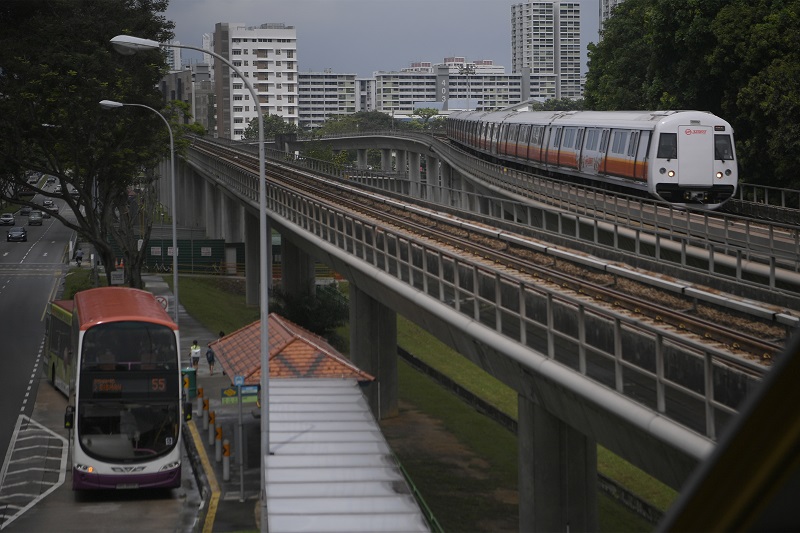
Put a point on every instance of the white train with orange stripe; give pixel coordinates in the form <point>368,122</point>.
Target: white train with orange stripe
<point>682,157</point>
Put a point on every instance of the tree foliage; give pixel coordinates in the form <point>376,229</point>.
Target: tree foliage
<point>56,64</point>
<point>273,125</point>
<point>739,59</point>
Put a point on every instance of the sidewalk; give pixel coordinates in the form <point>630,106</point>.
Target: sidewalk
<point>224,508</point>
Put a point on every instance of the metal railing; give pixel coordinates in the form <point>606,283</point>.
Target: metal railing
<point>667,372</point>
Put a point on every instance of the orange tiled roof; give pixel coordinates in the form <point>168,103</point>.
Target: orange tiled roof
<point>294,353</point>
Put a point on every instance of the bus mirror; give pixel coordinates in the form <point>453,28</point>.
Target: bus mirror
<point>187,411</point>
<point>69,417</point>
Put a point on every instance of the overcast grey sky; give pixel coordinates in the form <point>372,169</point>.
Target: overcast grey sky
<point>363,36</point>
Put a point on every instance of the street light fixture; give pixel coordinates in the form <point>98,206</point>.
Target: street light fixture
<point>467,70</point>
<point>128,45</point>
<point>110,104</point>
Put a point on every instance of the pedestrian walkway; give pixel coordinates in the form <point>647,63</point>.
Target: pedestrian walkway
<point>226,508</point>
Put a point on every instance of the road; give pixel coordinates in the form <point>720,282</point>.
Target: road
<point>35,479</point>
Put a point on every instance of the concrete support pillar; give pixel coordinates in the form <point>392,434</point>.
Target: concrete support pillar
<point>298,278</point>
<point>432,182</point>
<point>251,259</point>
<point>373,349</point>
<point>386,159</point>
<point>212,211</point>
<point>361,158</point>
<point>557,473</point>
<point>468,195</point>
<point>447,183</point>
<point>401,159</point>
<point>414,174</point>
<point>232,219</point>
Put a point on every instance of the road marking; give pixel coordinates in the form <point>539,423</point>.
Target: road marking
<point>208,523</point>
<point>9,475</point>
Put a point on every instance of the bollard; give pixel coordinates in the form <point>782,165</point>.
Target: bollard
<point>205,414</point>
<point>226,460</point>
<point>211,419</point>
<point>218,444</point>
<point>200,401</point>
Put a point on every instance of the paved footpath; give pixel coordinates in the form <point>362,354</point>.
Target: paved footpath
<point>225,506</point>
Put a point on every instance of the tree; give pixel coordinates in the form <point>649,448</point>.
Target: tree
<point>735,58</point>
<point>57,64</point>
<point>273,125</point>
<point>426,114</point>
<point>557,104</point>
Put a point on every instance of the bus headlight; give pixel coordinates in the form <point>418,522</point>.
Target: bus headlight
<point>86,469</point>
<point>170,466</point>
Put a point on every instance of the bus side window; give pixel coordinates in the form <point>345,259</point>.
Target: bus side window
<point>667,146</point>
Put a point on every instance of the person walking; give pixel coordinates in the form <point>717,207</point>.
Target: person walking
<point>78,257</point>
<point>210,358</point>
<point>194,353</point>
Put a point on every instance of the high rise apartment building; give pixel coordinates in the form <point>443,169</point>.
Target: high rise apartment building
<point>267,56</point>
<point>322,95</point>
<point>546,37</point>
<point>606,8</point>
<point>174,57</point>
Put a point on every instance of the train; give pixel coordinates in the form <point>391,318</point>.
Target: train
<point>686,158</point>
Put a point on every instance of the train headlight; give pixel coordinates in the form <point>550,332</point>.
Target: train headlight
<point>728,172</point>
<point>662,170</point>
<point>719,175</point>
<point>671,173</point>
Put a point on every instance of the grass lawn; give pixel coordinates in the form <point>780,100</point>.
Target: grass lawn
<point>218,303</point>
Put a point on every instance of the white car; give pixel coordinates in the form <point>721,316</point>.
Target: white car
<point>7,219</point>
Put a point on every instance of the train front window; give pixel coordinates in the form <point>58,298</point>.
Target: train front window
<point>667,146</point>
<point>723,148</point>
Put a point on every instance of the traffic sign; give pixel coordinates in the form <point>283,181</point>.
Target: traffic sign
<point>238,381</point>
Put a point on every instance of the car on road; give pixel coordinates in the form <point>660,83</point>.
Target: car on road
<point>48,203</point>
<point>7,219</point>
<point>17,233</point>
<point>25,210</point>
<point>35,218</point>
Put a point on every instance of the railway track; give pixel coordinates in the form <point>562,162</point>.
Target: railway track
<point>743,337</point>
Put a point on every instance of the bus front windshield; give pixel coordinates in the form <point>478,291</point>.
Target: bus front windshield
<point>127,431</point>
<point>129,391</point>
<point>129,346</point>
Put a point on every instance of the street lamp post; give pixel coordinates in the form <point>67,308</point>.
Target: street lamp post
<point>467,70</point>
<point>128,45</point>
<point>110,104</point>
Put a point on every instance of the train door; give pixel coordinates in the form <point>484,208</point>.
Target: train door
<point>578,148</point>
<point>553,143</point>
<point>640,171</point>
<point>603,152</point>
<point>695,155</point>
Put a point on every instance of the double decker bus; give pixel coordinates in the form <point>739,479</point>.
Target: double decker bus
<point>114,351</point>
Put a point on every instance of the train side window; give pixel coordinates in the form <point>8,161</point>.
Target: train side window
<point>667,146</point>
<point>620,142</point>
<point>632,144</point>
<point>524,133</point>
<point>569,138</point>
<point>556,138</point>
<point>723,149</point>
<point>591,140</point>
